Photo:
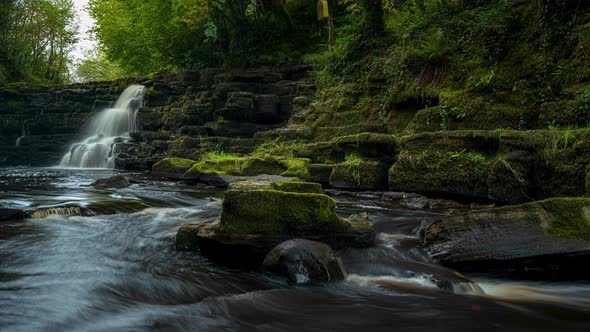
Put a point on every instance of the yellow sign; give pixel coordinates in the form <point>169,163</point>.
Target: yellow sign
<point>323,11</point>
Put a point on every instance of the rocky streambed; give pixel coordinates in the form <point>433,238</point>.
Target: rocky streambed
<point>122,271</point>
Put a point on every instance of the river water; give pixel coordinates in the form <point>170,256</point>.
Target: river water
<point>120,272</point>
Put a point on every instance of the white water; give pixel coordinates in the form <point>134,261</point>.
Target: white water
<point>107,129</point>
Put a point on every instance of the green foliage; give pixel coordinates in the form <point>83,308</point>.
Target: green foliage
<point>36,37</point>
<point>503,57</point>
<point>96,67</point>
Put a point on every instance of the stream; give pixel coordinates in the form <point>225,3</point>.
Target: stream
<point>120,272</point>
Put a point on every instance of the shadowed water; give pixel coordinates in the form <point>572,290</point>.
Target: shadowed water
<point>120,272</point>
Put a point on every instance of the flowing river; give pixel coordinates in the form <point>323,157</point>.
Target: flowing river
<point>120,272</point>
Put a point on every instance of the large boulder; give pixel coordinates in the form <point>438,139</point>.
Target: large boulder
<point>303,261</point>
<point>258,215</point>
<point>11,214</point>
<point>549,237</point>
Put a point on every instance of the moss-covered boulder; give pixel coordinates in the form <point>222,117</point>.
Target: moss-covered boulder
<point>258,215</point>
<point>173,168</point>
<point>550,236</point>
<point>359,174</point>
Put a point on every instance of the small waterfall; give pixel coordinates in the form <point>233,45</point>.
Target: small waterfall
<point>107,129</point>
<point>23,134</point>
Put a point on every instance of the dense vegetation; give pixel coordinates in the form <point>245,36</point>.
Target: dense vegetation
<point>36,37</point>
<point>467,64</point>
<point>458,62</point>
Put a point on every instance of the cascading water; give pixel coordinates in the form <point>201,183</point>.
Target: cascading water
<point>107,129</point>
<point>23,134</point>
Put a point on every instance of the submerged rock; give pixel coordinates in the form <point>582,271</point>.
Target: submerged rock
<point>548,237</point>
<point>118,181</point>
<point>11,214</point>
<point>258,215</point>
<point>303,261</point>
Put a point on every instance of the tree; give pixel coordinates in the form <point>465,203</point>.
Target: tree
<point>36,36</point>
<point>374,24</point>
<point>145,37</point>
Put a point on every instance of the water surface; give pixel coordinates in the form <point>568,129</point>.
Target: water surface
<point>120,272</point>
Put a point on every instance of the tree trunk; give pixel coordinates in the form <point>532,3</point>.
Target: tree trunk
<point>374,24</point>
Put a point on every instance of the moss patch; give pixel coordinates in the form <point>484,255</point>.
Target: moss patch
<point>357,173</point>
<point>298,187</point>
<point>561,218</point>
<point>273,212</point>
<point>172,167</point>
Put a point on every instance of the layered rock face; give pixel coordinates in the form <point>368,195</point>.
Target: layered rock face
<point>183,115</point>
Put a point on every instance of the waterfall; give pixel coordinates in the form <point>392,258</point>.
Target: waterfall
<point>23,134</point>
<point>104,131</point>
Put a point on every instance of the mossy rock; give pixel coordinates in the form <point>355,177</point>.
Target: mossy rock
<point>298,187</point>
<point>368,145</point>
<point>549,235</point>
<point>276,212</point>
<point>320,173</point>
<point>230,166</point>
<point>256,216</point>
<point>251,166</point>
<point>173,168</point>
<point>511,178</point>
<point>296,167</point>
<point>262,165</point>
<point>457,173</point>
<point>360,175</point>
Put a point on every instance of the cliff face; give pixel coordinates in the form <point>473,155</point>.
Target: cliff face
<point>219,110</point>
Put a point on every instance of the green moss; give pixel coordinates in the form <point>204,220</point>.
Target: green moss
<point>262,165</point>
<point>561,218</point>
<point>357,173</point>
<point>320,172</point>
<point>376,138</point>
<point>274,212</point>
<point>296,167</point>
<point>172,167</point>
<point>298,187</point>
<point>216,167</point>
<point>454,172</point>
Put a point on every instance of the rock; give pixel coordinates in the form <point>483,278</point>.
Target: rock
<point>215,168</point>
<point>321,173</point>
<point>303,261</point>
<point>118,181</point>
<point>224,180</point>
<point>551,237</point>
<point>11,214</point>
<point>173,168</point>
<point>423,202</point>
<point>267,109</point>
<point>359,174</point>
<point>258,215</point>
